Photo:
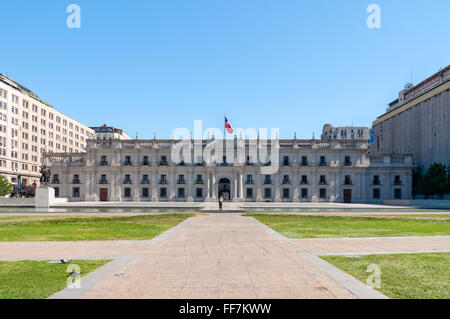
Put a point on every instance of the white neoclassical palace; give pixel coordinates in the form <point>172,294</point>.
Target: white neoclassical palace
<point>323,170</point>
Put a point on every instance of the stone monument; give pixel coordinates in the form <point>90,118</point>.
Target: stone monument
<point>45,195</point>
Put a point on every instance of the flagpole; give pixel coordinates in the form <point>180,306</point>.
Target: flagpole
<point>224,133</point>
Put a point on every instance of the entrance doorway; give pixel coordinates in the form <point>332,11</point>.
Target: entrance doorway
<point>224,188</point>
<point>103,194</point>
<point>347,195</point>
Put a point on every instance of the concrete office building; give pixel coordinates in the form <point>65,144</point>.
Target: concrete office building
<point>418,122</point>
<point>30,127</point>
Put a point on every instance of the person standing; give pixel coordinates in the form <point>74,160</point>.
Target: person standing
<point>220,202</point>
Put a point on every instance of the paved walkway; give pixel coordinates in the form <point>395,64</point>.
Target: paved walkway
<point>216,256</point>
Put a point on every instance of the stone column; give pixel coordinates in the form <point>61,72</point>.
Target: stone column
<point>208,187</point>
<point>154,178</point>
<point>213,186</point>
<point>241,186</point>
<point>235,186</point>
<point>277,187</point>
<point>172,186</point>
<point>136,183</point>
<point>295,183</point>
<point>259,187</point>
<point>190,191</point>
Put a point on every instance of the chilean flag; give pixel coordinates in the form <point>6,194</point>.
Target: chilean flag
<point>228,126</point>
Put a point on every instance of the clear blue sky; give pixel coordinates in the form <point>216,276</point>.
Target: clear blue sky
<point>150,65</point>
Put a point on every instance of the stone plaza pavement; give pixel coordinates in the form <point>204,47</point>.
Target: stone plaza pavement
<point>215,256</point>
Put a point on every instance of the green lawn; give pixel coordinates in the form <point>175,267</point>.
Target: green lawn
<point>406,276</point>
<point>38,279</point>
<point>421,215</point>
<point>296,226</point>
<point>91,228</point>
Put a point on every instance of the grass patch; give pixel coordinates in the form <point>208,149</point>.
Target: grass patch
<point>295,226</point>
<point>38,279</point>
<point>421,215</point>
<point>405,276</point>
<point>90,228</point>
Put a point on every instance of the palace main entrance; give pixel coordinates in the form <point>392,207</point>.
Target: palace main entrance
<point>224,188</point>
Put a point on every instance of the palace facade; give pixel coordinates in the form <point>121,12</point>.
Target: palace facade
<point>309,171</point>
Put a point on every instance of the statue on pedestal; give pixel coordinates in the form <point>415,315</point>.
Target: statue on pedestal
<point>45,175</point>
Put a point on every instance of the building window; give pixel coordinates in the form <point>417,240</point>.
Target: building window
<point>145,161</point>
<point>397,180</point>
<point>304,193</point>
<point>163,192</point>
<point>286,180</point>
<point>267,193</point>
<point>128,160</point>
<point>376,193</point>
<point>347,180</point>
<point>104,161</point>
<point>323,193</point>
<point>145,192</point>
<point>322,180</point>
<point>267,179</point>
<point>145,179</point>
<point>103,179</point>
<point>376,180</point>
<point>286,160</point>
<point>199,192</point>
<point>127,192</point>
<point>163,161</point>
<point>163,179</point>
<point>304,180</point>
<point>127,179</point>
<point>181,192</point>
<point>199,180</point>
<point>249,179</point>
<point>323,161</point>
<point>56,191</point>
<point>249,193</point>
<point>347,161</point>
<point>75,192</point>
<point>286,193</point>
<point>398,193</point>
<point>181,179</point>
<point>304,161</point>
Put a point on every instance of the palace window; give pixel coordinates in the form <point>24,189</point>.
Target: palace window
<point>163,192</point>
<point>322,180</point>
<point>323,161</point>
<point>181,192</point>
<point>286,193</point>
<point>145,192</point>
<point>304,193</point>
<point>249,179</point>
<point>376,180</point>
<point>267,193</point>
<point>397,180</point>
<point>199,192</point>
<point>127,192</point>
<point>267,179</point>
<point>397,193</point>
<point>249,193</point>
<point>286,161</point>
<point>304,180</point>
<point>304,161</point>
<point>181,179</point>
<point>347,180</point>
<point>76,192</point>
<point>376,193</point>
<point>323,193</point>
<point>199,179</point>
<point>286,180</point>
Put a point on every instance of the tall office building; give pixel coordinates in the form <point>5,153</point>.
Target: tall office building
<point>30,127</point>
<point>418,122</point>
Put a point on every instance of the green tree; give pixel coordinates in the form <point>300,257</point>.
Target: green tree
<point>5,187</point>
<point>434,181</point>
